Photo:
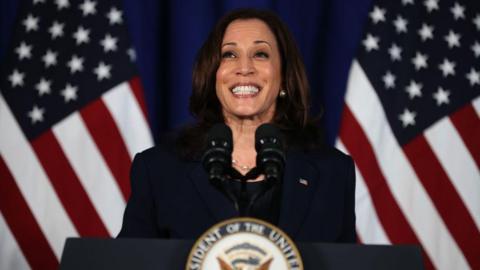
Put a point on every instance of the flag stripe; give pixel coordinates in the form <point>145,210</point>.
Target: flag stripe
<point>402,181</point>
<point>92,170</point>
<point>10,252</point>
<point>394,222</point>
<point>476,105</point>
<point>137,89</point>
<point>71,193</point>
<point>467,122</point>
<point>129,118</point>
<point>368,224</point>
<point>445,197</point>
<point>22,223</point>
<point>105,133</point>
<point>458,164</point>
<point>33,183</point>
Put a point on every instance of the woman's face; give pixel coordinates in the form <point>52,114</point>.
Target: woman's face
<point>249,76</point>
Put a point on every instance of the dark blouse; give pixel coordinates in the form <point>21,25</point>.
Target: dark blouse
<point>267,204</point>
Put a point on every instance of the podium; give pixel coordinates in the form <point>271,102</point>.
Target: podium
<point>159,254</point>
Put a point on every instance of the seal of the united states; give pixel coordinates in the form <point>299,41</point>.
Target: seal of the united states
<point>246,244</point>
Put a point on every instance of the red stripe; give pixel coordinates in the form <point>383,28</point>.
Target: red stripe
<point>467,122</point>
<point>359,239</point>
<point>446,199</point>
<point>68,187</point>
<point>389,213</point>
<point>107,137</point>
<point>21,222</point>
<point>137,89</point>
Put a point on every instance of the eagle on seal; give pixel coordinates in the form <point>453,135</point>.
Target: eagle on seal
<point>225,266</point>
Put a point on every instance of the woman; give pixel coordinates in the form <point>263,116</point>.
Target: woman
<point>247,73</point>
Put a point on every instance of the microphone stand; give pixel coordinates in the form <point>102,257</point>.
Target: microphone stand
<point>219,183</point>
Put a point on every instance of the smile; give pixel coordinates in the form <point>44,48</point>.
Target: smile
<point>245,90</point>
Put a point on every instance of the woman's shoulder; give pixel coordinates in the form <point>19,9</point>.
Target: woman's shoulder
<point>328,153</point>
<point>311,142</point>
<point>163,149</point>
<point>157,154</point>
<point>174,145</point>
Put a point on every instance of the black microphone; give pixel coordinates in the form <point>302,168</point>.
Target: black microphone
<point>217,159</point>
<point>269,144</point>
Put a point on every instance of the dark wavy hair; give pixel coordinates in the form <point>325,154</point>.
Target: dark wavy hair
<point>292,111</point>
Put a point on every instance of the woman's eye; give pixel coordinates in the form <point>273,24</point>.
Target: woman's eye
<point>228,55</point>
<point>261,54</point>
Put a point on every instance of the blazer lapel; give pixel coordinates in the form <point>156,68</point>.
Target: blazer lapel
<point>218,204</point>
<point>300,181</point>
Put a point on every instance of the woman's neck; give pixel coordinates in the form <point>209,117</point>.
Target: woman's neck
<point>244,153</point>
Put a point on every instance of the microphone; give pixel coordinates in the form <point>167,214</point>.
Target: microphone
<point>269,144</point>
<point>217,159</point>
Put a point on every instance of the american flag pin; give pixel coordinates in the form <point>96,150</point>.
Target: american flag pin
<point>303,181</point>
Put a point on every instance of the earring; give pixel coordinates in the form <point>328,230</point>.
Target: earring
<point>282,93</point>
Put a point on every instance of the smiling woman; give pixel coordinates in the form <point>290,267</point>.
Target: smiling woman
<point>279,51</point>
<point>249,77</point>
<point>247,73</point>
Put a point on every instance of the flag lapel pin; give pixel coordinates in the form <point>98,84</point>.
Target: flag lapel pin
<point>303,181</point>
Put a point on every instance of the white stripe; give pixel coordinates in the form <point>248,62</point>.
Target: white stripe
<point>11,257</point>
<point>369,228</point>
<point>457,162</point>
<point>33,182</point>
<point>92,170</point>
<point>400,176</point>
<point>476,105</point>
<point>129,118</point>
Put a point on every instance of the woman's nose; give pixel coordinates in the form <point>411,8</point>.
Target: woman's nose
<point>246,66</point>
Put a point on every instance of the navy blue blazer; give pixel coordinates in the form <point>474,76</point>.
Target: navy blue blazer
<point>172,198</point>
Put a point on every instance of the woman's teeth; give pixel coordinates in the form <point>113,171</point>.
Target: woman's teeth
<point>245,90</point>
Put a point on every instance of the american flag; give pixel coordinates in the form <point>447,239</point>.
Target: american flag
<point>72,115</point>
<point>411,122</point>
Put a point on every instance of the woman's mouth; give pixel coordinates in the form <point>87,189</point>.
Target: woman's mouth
<point>245,90</point>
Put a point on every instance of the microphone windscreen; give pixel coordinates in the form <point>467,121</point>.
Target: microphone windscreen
<point>265,131</point>
<point>220,132</point>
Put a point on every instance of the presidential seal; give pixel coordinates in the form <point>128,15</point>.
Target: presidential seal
<point>244,244</point>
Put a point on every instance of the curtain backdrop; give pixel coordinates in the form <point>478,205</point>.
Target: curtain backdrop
<point>167,35</point>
